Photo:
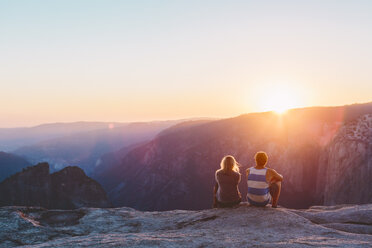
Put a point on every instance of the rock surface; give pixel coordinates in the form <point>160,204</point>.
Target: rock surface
<point>69,188</point>
<point>244,226</point>
<point>348,167</point>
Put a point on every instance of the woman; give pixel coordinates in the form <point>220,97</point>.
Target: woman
<point>226,192</point>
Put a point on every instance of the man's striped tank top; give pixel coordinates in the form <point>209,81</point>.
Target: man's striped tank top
<point>258,188</point>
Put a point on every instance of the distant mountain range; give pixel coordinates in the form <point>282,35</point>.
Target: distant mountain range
<point>84,148</point>
<point>324,153</point>
<point>14,138</point>
<point>11,164</point>
<point>110,163</point>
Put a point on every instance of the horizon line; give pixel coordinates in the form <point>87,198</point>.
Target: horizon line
<point>180,119</point>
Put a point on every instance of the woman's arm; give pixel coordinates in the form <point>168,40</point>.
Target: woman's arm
<point>215,195</point>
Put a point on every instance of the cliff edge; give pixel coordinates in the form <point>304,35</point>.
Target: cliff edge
<point>244,226</point>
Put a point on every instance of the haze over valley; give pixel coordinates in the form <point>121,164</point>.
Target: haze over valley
<point>170,165</point>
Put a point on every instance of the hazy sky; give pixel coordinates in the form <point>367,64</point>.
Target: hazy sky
<point>145,60</point>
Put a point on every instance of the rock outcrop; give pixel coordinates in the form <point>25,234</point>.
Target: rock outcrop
<point>348,165</point>
<point>244,226</point>
<point>69,188</point>
<point>31,187</point>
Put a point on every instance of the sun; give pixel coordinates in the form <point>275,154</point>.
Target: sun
<point>279,102</point>
<point>280,99</point>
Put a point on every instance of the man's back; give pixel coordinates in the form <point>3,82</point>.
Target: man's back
<point>258,187</point>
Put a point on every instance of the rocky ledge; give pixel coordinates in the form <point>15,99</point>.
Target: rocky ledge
<point>244,226</point>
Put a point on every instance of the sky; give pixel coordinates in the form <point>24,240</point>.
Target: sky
<point>63,61</point>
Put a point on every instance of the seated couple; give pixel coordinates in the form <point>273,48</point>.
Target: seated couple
<point>264,184</point>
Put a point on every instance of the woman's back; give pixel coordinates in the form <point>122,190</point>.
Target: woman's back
<point>228,186</point>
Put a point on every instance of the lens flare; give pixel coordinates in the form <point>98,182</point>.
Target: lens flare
<point>279,98</point>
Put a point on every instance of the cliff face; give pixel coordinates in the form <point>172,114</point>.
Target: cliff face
<point>308,146</point>
<point>348,166</point>
<point>67,189</point>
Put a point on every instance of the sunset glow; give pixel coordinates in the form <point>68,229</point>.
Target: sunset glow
<point>134,61</point>
<point>279,96</point>
<point>280,100</point>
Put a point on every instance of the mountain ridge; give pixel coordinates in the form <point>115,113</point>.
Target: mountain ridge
<point>175,170</point>
<point>85,148</point>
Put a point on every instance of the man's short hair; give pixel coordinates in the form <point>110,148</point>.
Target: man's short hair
<point>261,158</point>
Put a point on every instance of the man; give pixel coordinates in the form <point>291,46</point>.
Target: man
<point>264,184</point>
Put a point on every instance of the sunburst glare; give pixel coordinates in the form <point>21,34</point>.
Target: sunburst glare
<point>279,98</point>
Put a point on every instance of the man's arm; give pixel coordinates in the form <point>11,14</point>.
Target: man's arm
<point>275,176</point>
<point>247,172</point>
